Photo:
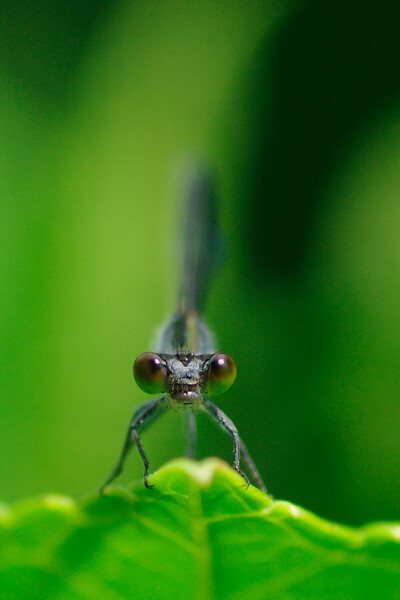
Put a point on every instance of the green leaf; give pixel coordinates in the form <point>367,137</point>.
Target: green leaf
<point>199,533</point>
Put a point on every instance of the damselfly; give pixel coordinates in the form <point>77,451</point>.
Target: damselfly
<point>185,368</point>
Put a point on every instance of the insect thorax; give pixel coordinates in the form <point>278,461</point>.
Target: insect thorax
<point>185,334</point>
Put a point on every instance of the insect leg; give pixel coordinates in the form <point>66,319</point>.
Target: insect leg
<point>219,416</point>
<point>223,421</point>
<point>192,433</point>
<point>252,467</point>
<point>142,417</point>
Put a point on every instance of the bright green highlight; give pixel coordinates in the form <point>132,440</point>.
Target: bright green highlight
<point>198,534</point>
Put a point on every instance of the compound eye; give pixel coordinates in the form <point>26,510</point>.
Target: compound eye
<point>149,373</point>
<point>221,373</point>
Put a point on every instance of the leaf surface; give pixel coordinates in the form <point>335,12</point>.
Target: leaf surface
<point>198,534</point>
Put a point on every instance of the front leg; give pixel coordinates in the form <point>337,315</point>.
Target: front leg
<point>192,433</point>
<point>225,423</point>
<point>142,417</point>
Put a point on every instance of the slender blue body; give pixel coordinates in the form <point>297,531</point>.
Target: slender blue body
<point>186,332</point>
<point>185,367</point>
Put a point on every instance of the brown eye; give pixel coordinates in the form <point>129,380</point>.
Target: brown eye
<point>149,373</point>
<point>221,373</point>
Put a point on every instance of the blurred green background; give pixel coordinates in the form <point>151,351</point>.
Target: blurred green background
<point>297,105</point>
